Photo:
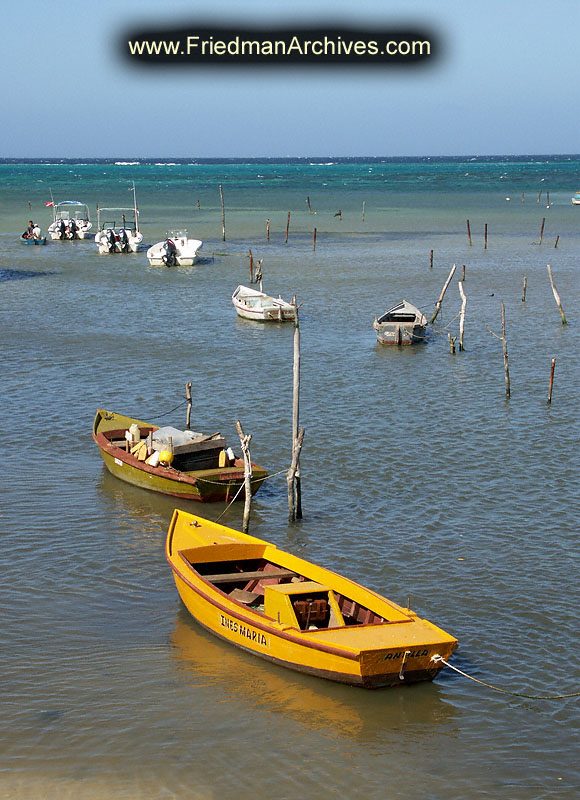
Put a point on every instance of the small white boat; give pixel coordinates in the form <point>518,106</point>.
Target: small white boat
<point>401,324</point>
<point>252,304</point>
<point>71,220</point>
<point>118,229</point>
<point>176,250</point>
<point>576,199</point>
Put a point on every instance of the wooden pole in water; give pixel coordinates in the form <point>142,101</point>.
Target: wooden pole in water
<point>547,199</point>
<point>363,211</point>
<point>293,513</point>
<point>297,490</point>
<point>251,265</point>
<point>268,229</point>
<point>469,232</point>
<point>523,198</point>
<point>557,240</point>
<point>188,395</point>
<point>539,195</point>
<point>505,353</point>
<point>524,289</point>
<point>223,214</point>
<point>438,305</point>
<point>451,343</point>
<point>314,240</point>
<point>245,443</point>
<point>309,209</point>
<point>542,229</point>
<point>553,367</point>
<point>462,315</point>
<point>463,273</point>
<point>431,261</point>
<point>485,238</point>
<point>287,226</point>
<point>556,296</point>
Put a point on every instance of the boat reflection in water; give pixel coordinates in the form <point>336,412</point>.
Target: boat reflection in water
<point>339,710</point>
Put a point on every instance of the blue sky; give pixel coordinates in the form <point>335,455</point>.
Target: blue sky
<point>506,83</point>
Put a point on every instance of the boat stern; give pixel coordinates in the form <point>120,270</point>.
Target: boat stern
<point>405,664</point>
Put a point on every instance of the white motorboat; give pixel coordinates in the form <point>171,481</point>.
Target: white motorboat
<point>118,229</point>
<point>70,220</point>
<point>252,304</point>
<point>401,324</point>
<point>176,250</point>
<point>576,199</point>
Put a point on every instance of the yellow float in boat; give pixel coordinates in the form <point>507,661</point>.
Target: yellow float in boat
<point>165,457</point>
<point>294,613</point>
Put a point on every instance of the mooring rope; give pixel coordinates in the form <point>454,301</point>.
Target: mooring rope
<point>440,659</point>
<point>166,413</point>
<point>233,500</point>
<point>265,478</point>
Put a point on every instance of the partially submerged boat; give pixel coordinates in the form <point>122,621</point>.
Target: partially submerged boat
<point>118,229</point>
<point>184,464</point>
<point>71,220</point>
<point>176,250</point>
<point>401,324</point>
<point>33,239</point>
<point>253,304</point>
<point>296,614</point>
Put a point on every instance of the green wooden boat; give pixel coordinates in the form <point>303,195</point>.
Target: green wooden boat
<point>200,469</point>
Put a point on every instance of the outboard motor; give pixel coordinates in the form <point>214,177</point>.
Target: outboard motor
<point>124,240</point>
<point>111,240</point>
<point>169,256</point>
<point>61,229</point>
<point>73,229</point>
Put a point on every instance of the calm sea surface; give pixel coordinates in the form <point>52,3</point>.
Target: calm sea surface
<point>419,478</point>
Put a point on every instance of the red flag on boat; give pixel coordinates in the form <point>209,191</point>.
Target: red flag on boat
<point>50,203</point>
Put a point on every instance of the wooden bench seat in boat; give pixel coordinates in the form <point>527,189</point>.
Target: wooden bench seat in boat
<point>234,577</point>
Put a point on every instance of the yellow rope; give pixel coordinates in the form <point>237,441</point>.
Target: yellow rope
<point>440,659</point>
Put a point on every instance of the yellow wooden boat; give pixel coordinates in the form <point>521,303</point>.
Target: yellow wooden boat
<point>294,613</point>
<point>200,469</point>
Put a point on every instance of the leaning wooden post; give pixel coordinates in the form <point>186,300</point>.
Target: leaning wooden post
<point>462,314</point>
<point>314,240</point>
<point>551,380</point>
<point>188,395</point>
<point>524,289</point>
<point>539,195</point>
<point>296,413</point>
<point>505,353</point>
<point>438,305</point>
<point>556,296</point>
<point>287,226</point>
<point>290,478</point>
<point>557,240</point>
<point>245,443</point>
<point>309,208</point>
<point>469,232</point>
<point>223,215</point>
<point>542,229</point>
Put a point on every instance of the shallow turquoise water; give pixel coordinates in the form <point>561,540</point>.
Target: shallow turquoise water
<point>419,478</point>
